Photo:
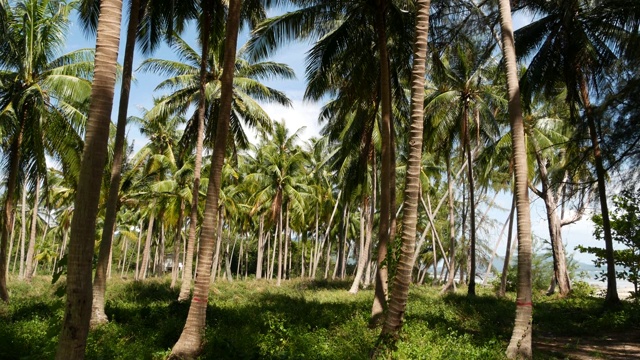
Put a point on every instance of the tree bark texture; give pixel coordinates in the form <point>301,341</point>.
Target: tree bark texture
<point>75,326</point>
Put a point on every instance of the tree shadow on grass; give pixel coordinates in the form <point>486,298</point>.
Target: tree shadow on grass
<point>282,326</point>
<point>484,318</point>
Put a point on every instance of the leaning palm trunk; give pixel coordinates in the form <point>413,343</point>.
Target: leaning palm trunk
<point>29,265</point>
<point>451,284</point>
<point>381,286</point>
<point>12,179</point>
<point>99,281</point>
<point>146,253</point>
<point>472,206</point>
<point>520,344</point>
<point>75,327</point>
<point>402,280</point>
<point>190,341</point>
<point>185,288</point>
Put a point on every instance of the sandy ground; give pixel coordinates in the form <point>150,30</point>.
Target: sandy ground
<point>612,347</point>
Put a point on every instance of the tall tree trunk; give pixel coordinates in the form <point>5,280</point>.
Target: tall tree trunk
<point>137,275</point>
<point>380,297</point>
<point>146,253</point>
<point>205,26</point>
<point>99,282</point>
<point>472,204</point>
<point>215,267</point>
<point>23,229</point>
<point>75,326</point>
<point>176,245</point>
<point>451,284</point>
<point>520,344</point>
<point>612,288</point>
<point>279,237</point>
<point>260,249</point>
<point>29,266</point>
<point>12,180</point>
<point>286,245</point>
<point>365,243</point>
<point>190,341</point>
<point>11,242</point>
<point>495,248</point>
<point>398,302</point>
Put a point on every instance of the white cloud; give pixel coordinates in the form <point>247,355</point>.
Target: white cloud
<point>301,113</point>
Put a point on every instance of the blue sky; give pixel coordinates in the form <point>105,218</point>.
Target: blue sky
<point>306,114</point>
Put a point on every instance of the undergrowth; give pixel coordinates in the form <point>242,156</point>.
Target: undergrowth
<point>300,320</point>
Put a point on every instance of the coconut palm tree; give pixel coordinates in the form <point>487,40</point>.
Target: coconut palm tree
<point>42,96</point>
<point>520,344</point>
<point>463,104</point>
<point>402,279</point>
<point>189,343</point>
<point>578,41</point>
<point>72,340</point>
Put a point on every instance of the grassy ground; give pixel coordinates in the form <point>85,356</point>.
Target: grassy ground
<point>300,320</point>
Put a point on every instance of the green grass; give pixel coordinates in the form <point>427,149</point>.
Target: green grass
<point>300,320</point>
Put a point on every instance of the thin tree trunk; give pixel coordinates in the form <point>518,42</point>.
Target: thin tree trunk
<point>23,230</point>
<point>451,284</point>
<point>380,298</point>
<point>612,297</point>
<point>279,236</point>
<point>495,248</point>
<point>124,258</point>
<point>286,245</point>
<point>190,342</point>
<point>398,302</point>
<point>472,205</point>
<point>146,253</point>
<point>11,241</point>
<point>328,261</point>
<point>185,287</point>
<point>364,245</point>
<point>75,326</point>
<point>137,276</point>
<point>176,245</point>
<point>520,345</point>
<point>32,238</point>
<point>260,249</point>
<point>216,257</point>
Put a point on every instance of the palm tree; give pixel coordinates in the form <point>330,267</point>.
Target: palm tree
<point>73,336</point>
<point>190,341</point>
<point>41,98</point>
<point>277,180</point>
<point>577,41</point>
<point>462,79</point>
<point>520,344</point>
<point>400,293</point>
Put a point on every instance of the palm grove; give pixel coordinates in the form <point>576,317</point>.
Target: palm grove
<point>427,116</point>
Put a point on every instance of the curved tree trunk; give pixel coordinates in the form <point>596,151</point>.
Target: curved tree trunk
<point>12,179</point>
<point>29,265</point>
<point>185,288</point>
<point>520,344</point>
<point>402,280</point>
<point>146,253</point>
<point>381,285</point>
<point>190,341</point>
<point>260,260</point>
<point>100,279</point>
<point>75,327</point>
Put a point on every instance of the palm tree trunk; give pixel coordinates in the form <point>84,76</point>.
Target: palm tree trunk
<point>279,237</point>
<point>137,275</point>
<point>29,266</point>
<point>612,288</point>
<point>451,284</point>
<point>495,248</point>
<point>380,297</point>
<point>146,253</point>
<point>472,204</point>
<point>176,245</point>
<point>12,180</point>
<point>260,249</point>
<point>520,344</point>
<point>99,282</point>
<point>185,287</point>
<point>398,302</point>
<point>364,245</point>
<point>23,229</point>
<point>11,242</point>
<point>190,341</point>
<point>72,340</point>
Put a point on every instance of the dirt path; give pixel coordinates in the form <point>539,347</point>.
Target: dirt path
<point>611,346</point>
